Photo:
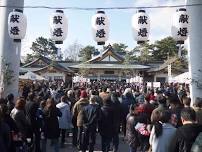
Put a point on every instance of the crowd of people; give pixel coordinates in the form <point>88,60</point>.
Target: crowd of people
<point>157,120</point>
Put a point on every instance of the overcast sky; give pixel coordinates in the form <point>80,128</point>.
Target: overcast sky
<point>79,22</point>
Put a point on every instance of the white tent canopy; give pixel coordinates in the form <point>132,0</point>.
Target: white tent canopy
<point>31,76</point>
<point>182,78</point>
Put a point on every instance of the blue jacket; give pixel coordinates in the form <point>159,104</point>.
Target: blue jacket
<point>91,114</point>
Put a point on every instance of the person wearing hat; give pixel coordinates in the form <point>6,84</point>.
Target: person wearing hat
<point>77,115</point>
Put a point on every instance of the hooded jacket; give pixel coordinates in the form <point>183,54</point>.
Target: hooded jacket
<point>77,117</point>
<point>65,120</point>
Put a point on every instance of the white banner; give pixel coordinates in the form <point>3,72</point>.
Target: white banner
<point>156,84</point>
<point>149,84</point>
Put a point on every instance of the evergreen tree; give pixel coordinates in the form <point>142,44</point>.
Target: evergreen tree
<point>86,53</point>
<point>165,47</point>
<point>43,47</point>
<point>143,52</point>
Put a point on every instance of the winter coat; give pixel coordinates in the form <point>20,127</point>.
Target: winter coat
<point>185,137</point>
<point>77,118</point>
<point>10,106</point>
<point>99,100</point>
<point>198,114</point>
<point>64,121</point>
<point>155,113</point>
<point>163,142</point>
<point>4,137</point>
<point>117,111</point>
<point>91,115</point>
<point>20,119</point>
<point>106,122</point>
<point>177,113</point>
<point>127,100</point>
<point>31,108</point>
<point>131,133</point>
<point>72,101</point>
<point>51,124</point>
<point>103,95</point>
<point>11,123</point>
<point>146,108</point>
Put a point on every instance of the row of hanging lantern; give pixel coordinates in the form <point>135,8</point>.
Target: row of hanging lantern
<point>17,24</point>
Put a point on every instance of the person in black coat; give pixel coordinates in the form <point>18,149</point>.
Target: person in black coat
<point>51,124</point>
<point>107,123</point>
<point>90,115</point>
<point>4,135</point>
<point>12,125</point>
<point>117,121</point>
<point>25,91</point>
<point>10,102</point>
<point>31,108</point>
<point>186,135</point>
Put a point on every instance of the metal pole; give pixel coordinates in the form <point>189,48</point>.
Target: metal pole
<point>9,52</point>
<point>195,48</point>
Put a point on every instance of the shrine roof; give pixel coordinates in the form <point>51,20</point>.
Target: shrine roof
<point>109,66</point>
<point>109,52</point>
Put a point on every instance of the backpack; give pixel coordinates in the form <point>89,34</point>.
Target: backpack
<point>197,145</point>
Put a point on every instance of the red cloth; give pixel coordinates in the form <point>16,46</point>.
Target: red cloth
<point>145,108</point>
<point>152,97</point>
<point>83,94</point>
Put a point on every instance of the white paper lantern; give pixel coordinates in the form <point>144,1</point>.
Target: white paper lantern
<point>58,26</point>
<point>17,25</point>
<point>180,25</point>
<point>100,27</point>
<point>141,26</point>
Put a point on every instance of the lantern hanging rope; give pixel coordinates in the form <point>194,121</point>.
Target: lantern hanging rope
<point>100,8</point>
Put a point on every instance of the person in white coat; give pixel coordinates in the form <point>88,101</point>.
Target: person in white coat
<point>162,133</point>
<point>64,121</point>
